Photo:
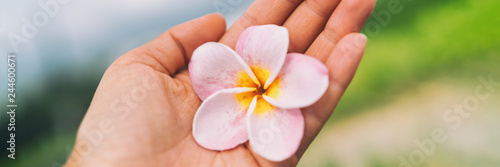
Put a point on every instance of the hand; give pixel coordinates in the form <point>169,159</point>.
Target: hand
<point>143,109</point>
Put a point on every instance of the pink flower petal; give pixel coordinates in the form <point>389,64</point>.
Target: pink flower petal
<point>220,122</point>
<point>275,135</point>
<point>264,46</point>
<point>214,67</point>
<point>302,81</point>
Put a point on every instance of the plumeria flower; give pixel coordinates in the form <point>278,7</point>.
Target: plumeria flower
<point>254,93</point>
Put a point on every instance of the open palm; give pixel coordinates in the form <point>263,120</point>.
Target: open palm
<point>143,109</point>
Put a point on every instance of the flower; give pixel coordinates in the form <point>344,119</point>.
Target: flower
<point>254,93</point>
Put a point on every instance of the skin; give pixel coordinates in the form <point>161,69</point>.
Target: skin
<point>143,109</point>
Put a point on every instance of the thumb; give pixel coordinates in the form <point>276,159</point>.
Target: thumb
<point>345,59</point>
<point>174,48</point>
<point>342,64</point>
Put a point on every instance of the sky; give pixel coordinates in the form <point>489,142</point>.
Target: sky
<point>70,35</point>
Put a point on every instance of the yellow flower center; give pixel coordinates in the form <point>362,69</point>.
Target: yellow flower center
<point>246,98</point>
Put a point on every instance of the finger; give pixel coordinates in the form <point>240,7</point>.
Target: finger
<point>174,48</point>
<point>342,64</point>
<point>259,13</point>
<point>348,17</point>
<point>307,21</point>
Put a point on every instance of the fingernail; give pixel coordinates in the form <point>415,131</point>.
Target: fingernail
<point>363,38</point>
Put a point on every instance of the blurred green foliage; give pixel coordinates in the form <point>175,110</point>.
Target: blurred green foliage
<point>444,38</point>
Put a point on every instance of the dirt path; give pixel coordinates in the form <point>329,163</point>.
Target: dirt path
<point>420,128</point>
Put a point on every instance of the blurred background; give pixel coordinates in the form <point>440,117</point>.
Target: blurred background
<point>424,94</point>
